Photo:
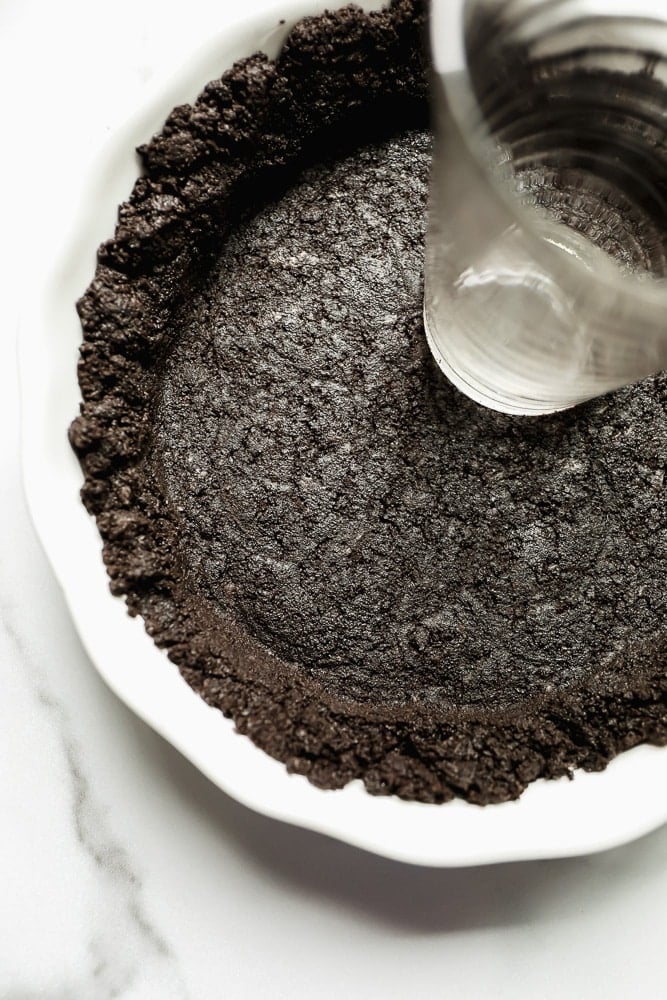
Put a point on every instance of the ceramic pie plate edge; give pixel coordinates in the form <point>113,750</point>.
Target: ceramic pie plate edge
<point>560,818</point>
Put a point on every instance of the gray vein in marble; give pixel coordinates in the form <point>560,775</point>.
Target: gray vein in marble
<point>125,951</point>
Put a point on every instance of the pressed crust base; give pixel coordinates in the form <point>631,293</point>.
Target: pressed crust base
<point>372,576</point>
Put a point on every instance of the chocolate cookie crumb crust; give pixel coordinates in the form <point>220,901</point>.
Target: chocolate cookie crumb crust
<point>372,576</point>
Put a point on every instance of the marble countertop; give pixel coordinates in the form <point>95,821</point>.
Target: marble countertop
<point>123,872</point>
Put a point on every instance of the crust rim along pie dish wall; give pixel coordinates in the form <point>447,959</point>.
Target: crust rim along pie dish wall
<point>393,748</point>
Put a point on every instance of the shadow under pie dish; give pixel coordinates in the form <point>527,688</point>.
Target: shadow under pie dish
<point>372,576</point>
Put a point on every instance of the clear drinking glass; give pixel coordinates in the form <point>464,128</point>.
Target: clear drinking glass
<point>547,249</point>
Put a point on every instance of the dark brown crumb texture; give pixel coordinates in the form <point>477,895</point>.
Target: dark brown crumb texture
<point>372,576</point>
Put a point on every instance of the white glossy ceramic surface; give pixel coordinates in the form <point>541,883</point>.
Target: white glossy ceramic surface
<point>552,819</point>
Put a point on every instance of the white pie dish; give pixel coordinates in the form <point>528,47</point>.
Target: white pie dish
<point>552,819</point>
